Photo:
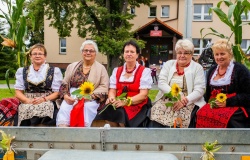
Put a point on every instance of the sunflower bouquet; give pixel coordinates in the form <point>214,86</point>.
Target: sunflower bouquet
<point>122,97</point>
<point>173,95</point>
<point>84,91</point>
<point>216,95</point>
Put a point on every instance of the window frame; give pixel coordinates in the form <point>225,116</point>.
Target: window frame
<point>246,18</point>
<point>132,7</point>
<point>202,14</point>
<point>247,45</point>
<point>200,48</point>
<point>167,16</point>
<point>62,47</point>
<point>150,11</point>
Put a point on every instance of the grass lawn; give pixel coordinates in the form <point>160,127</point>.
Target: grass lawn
<point>152,94</point>
<point>5,93</point>
<point>12,81</point>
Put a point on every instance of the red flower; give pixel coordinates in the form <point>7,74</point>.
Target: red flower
<point>215,92</point>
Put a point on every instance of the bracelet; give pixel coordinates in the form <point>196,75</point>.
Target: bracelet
<point>129,101</point>
<point>44,99</point>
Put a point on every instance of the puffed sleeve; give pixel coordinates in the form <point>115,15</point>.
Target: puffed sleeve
<point>19,80</point>
<point>112,82</point>
<point>146,79</point>
<point>57,80</point>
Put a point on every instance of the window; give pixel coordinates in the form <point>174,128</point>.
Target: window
<point>63,46</point>
<point>245,44</point>
<point>244,17</point>
<point>152,12</point>
<point>165,11</point>
<point>200,44</point>
<point>132,10</point>
<point>201,12</point>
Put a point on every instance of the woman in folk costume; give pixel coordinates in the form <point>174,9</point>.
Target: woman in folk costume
<point>232,79</point>
<point>37,86</point>
<point>88,69</point>
<point>134,80</point>
<point>189,76</point>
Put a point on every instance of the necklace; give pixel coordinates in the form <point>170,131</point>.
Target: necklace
<point>178,71</point>
<point>222,73</point>
<point>86,67</point>
<point>131,70</point>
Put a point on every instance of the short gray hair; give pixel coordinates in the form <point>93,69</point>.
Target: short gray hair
<point>89,42</point>
<point>185,44</point>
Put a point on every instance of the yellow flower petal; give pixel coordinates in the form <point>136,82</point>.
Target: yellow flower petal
<point>221,97</point>
<point>175,90</point>
<point>87,88</point>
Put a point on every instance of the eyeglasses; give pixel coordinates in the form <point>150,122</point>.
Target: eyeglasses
<point>37,54</point>
<point>90,51</point>
<point>184,53</point>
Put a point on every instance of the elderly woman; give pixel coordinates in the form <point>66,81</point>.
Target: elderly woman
<point>232,79</point>
<point>189,76</point>
<point>88,69</point>
<point>37,86</point>
<point>134,80</point>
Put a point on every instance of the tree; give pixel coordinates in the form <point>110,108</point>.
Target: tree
<point>233,20</point>
<point>17,33</point>
<point>6,55</point>
<point>107,21</point>
<point>35,35</point>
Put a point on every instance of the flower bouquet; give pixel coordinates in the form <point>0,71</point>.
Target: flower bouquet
<point>216,95</point>
<point>84,91</point>
<point>209,149</point>
<point>173,95</point>
<point>123,97</point>
<point>6,146</point>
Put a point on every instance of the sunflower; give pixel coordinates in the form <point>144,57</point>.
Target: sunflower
<point>221,97</point>
<point>86,88</point>
<point>175,90</point>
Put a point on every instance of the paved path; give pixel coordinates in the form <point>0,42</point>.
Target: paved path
<point>154,86</point>
<point>5,86</point>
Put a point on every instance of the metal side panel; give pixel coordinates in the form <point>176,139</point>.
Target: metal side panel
<point>185,144</point>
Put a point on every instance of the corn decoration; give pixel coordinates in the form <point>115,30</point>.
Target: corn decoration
<point>209,149</point>
<point>6,145</point>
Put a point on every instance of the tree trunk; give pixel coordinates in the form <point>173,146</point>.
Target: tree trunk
<point>113,62</point>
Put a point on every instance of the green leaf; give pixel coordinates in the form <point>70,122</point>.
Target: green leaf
<point>169,104</point>
<point>7,79</point>
<point>123,95</point>
<point>231,10</point>
<point>76,92</point>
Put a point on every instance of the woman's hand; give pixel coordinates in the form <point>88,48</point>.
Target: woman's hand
<point>178,105</point>
<point>69,99</point>
<point>38,100</point>
<point>220,104</point>
<point>28,101</point>
<point>184,100</point>
<point>110,100</point>
<point>120,103</point>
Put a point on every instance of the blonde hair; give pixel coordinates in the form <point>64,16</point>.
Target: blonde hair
<point>223,44</point>
<point>185,44</point>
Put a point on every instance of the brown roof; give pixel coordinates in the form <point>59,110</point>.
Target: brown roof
<point>163,24</point>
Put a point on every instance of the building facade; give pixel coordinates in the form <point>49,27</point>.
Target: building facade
<point>159,25</point>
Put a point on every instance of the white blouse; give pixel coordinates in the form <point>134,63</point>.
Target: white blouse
<point>226,79</point>
<point>145,81</point>
<point>39,76</point>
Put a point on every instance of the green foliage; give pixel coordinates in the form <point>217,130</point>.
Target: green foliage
<point>36,35</point>
<point>106,21</point>
<point>233,20</point>
<point>17,21</point>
